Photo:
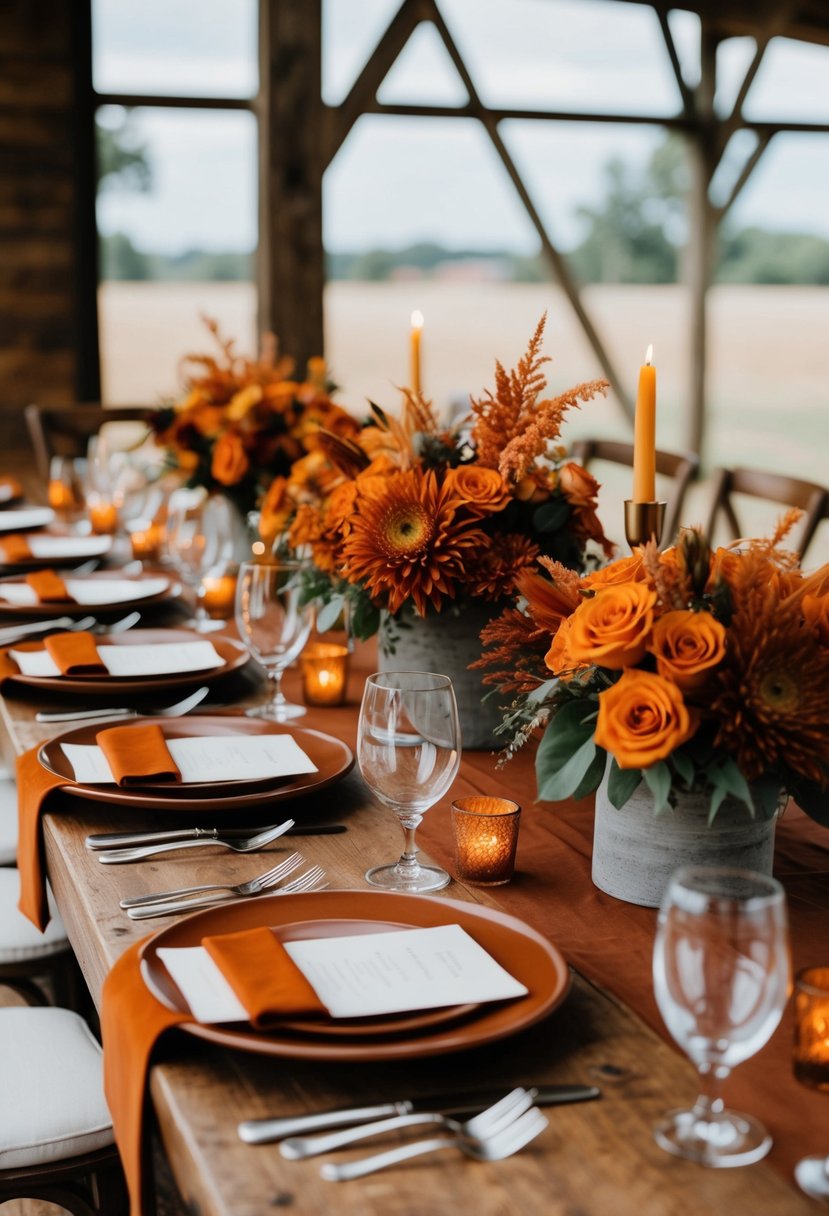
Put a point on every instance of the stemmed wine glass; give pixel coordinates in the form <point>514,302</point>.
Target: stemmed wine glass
<point>199,541</point>
<point>721,976</point>
<point>274,624</point>
<point>409,750</point>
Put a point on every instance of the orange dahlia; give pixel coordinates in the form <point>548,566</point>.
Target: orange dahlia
<point>499,565</point>
<point>407,541</point>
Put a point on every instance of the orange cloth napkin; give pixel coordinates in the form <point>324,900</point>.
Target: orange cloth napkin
<point>262,974</point>
<point>75,654</point>
<point>8,667</point>
<point>133,1022</point>
<point>138,754</point>
<point>34,785</point>
<point>15,548</point>
<point>49,587</point>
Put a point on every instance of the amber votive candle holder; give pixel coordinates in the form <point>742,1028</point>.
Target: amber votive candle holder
<point>811,1027</point>
<point>324,668</point>
<point>103,517</point>
<point>145,539</point>
<point>218,595</point>
<point>486,837</point>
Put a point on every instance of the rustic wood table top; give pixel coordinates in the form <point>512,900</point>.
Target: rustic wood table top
<point>593,1158</point>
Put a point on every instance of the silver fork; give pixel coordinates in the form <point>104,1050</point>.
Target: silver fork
<point>494,1147</point>
<point>487,1123</point>
<point>243,844</point>
<point>311,880</point>
<point>177,710</point>
<point>212,893</point>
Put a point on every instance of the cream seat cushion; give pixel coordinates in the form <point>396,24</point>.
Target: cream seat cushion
<point>20,941</point>
<point>53,1103</point>
<point>8,820</point>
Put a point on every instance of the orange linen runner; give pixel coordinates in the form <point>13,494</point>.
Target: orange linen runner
<point>75,654</point>
<point>266,980</point>
<point>49,587</point>
<point>133,1021</point>
<point>138,754</point>
<point>15,548</point>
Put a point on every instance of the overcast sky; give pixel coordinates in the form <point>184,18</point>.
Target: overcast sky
<point>401,180</point>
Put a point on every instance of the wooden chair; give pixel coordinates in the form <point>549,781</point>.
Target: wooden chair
<point>679,467</point>
<point>56,1142</point>
<point>811,498</point>
<point>65,430</point>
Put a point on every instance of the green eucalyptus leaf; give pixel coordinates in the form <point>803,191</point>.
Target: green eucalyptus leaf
<point>658,779</point>
<point>593,777</point>
<point>556,784</point>
<point>621,782</point>
<point>765,793</point>
<point>684,768</point>
<point>540,694</point>
<point>729,777</point>
<point>329,613</point>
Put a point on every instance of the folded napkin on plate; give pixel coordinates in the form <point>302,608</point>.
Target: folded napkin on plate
<point>49,587</point>
<point>138,754</point>
<point>267,982</point>
<point>76,654</point>
<point>14,548</point>
<point>133,1021</point>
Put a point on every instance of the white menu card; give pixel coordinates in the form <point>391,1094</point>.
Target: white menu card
<point>363,975</point>
<point>206,758</point>
<point>158,659</point>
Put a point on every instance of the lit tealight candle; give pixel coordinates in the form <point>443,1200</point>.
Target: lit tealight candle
<point>61,498</point>
<point>644,437</point>
<point>145,539</point>
<point>415,350</point>
<point>218,595</point>
<point>324,673</point>
<point>486,837</point>
<point>811,1016</point>
<point>103,517</point>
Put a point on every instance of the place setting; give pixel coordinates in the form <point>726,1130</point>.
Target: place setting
<point>45,591</point>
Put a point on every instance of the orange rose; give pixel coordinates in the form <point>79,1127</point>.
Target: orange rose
<point>642,719</point>
<point>558,658</point>
<point>230,462</point>
<point>625,570</point>
<point>687,645</point>
<point>535,486</point>
<point>613,628</point>
<point>276,510</point>
<point>484,491</point>
<point>577,485</point>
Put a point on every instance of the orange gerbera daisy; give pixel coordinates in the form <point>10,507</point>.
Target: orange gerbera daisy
<point>407,541</point>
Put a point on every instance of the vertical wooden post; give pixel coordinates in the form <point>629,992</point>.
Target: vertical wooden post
<point>291,264</point>
<point>702,233</point>
<point>85,229</point>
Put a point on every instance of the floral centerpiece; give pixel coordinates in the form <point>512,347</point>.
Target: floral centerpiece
<point>242,421</point>
<point>688,670</point>
<point>411,519</point>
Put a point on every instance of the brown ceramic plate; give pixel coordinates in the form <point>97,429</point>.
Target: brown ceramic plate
<point>527,955</point>
<point>332,758</point>
<point>232,653</point>
<point>69,557</point>
<point>336,1028</point>
<point>59,607</point>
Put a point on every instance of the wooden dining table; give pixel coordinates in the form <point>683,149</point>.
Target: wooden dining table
<point>596,1157</point>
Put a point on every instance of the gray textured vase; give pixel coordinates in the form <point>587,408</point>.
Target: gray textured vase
<point>635,852</point>
<point>447,644</point>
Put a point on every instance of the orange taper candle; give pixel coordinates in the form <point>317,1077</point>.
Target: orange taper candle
<point>414,349</point>
<point>644,436</point>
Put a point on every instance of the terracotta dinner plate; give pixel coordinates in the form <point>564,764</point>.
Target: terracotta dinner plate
<point>232,653</point>
<point>332,758</point>
<point>527,955</point>
<point>79,551</point>
<point>52,607</point>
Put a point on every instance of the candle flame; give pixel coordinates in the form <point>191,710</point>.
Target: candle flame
<point>649,355</point>
<point>417,319</point>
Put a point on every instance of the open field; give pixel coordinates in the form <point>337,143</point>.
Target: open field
<point>768,377</point>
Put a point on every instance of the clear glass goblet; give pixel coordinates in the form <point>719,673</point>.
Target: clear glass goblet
<point>721,977</point>
<point>199,542</point>
<point>409,751</point>
<point>274,624</point>
<point>811,1063</point>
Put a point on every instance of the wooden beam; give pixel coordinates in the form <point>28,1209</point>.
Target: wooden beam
<point>152,101</point>
<point>746,172</point>
<point>685,93</point>
<point>291,263</point>
<point>85,233</point>
<point>501,114</point>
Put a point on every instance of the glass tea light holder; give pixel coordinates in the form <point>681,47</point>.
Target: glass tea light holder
<point>146,539</point>
<point>217,594</point>
<point>486,836</point>
<point>324,668</point>
<point>103,515</point>
<point>811,1063</point>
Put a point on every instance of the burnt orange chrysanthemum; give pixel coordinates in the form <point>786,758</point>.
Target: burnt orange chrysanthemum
<point>773,703</point>
<point>496,569</point>
<point>407,541</point>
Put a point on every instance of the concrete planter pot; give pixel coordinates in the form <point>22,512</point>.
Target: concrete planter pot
<point>635,852</point>
<point>447,644</point>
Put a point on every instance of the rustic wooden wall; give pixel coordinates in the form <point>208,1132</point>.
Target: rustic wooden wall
<point>44,154</point>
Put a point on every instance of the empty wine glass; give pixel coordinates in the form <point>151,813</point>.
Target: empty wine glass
<point>199,542</point>
<point>274,624</point>
<point>409,750</point>
<point>721,976</point>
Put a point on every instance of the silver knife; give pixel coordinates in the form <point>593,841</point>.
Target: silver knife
<point>117,840</point>
<point>262,1131</point>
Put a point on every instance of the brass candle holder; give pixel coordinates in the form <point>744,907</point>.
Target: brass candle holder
<point>643,522</point>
